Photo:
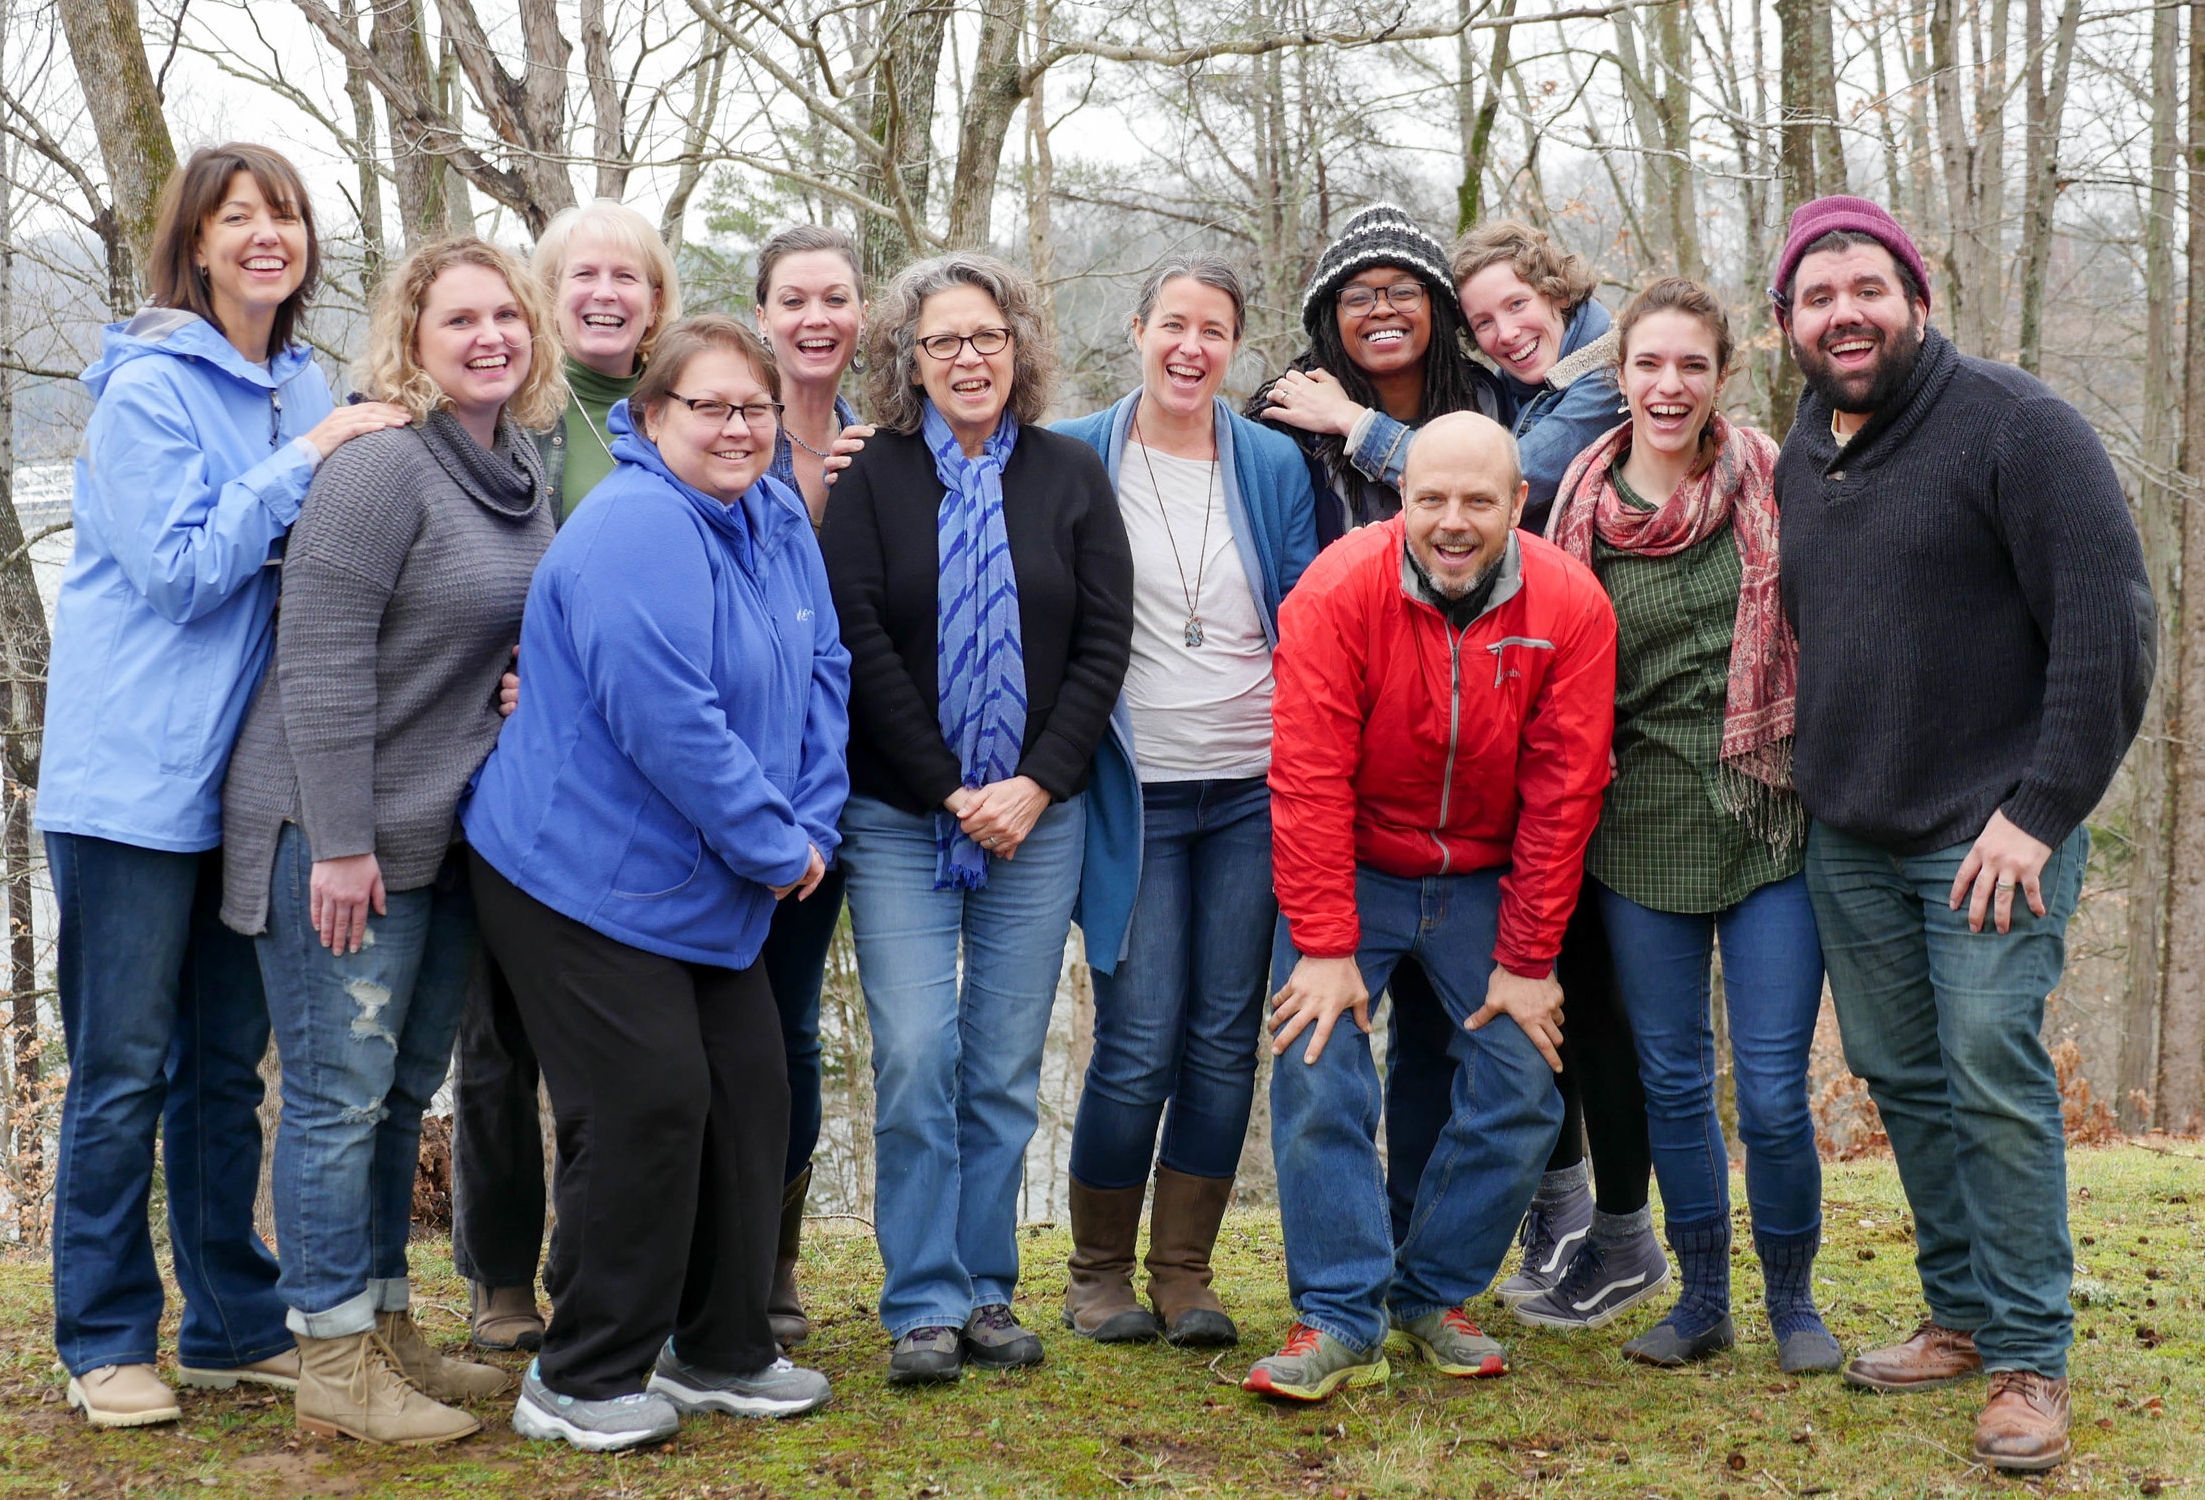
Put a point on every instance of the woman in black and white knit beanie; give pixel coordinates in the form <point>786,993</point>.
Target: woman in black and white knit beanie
<point>1327,398</point>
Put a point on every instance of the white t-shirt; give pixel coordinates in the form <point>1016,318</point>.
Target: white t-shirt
<point>1200,713</point>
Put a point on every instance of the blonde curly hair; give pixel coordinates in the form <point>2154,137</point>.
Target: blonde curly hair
<point>389,367</point>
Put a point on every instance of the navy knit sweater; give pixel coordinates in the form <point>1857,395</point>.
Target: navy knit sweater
<point>1976,629</point>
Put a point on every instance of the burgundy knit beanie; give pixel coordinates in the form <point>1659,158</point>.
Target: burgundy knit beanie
<point>1812,220</point>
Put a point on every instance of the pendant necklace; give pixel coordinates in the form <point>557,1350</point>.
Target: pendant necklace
<point>807,447</point>
<point>1192,634</point>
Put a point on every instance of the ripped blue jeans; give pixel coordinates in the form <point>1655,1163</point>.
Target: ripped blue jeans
<point>365,1039</point>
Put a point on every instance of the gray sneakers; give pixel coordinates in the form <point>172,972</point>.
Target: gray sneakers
<point>595,1426</point>
<point>1447,1338</point>
<point>779,1390</point>
<point>1551,1235</point>
<point>1600,1284</point>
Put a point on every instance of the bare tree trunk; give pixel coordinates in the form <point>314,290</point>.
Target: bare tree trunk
<point>608,141</point>
<point>704,109</point>
<point>1830,174</point>
<point>1798,94</point>
<point>1649,125</point>
<point>2155,522</point>
<point>1477,142</point>
<point>109,54</point>
<point>399,42</point>
<point>902,120</point>
<point>371,178</point>
<point>1676,127</point>
<point>2047,104</point>
<point>997,86</point>
<point>1041,177</point>
<point>23,652</point>
<point>2179,1098</point>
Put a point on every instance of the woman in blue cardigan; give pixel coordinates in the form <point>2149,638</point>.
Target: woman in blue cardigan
<point>675,770</point>
<point>1175,894</point>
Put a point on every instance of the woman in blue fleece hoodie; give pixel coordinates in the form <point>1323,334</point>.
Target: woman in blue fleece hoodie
<point>209,423</point>
<point>675,768</point>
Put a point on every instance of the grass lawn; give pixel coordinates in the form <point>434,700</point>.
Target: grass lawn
<point>1570,1420</point>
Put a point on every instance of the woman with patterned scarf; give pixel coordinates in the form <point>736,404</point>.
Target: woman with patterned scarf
<point>985,588</point>
<point>1702,837</point>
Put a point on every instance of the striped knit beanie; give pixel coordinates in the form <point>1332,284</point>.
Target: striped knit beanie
<point>1381,235</point>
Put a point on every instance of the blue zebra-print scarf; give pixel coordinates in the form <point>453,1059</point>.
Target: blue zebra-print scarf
<point>979,657</point>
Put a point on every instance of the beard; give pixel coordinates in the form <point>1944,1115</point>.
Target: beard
<point>1461,602</point>
<point>1872,387</point>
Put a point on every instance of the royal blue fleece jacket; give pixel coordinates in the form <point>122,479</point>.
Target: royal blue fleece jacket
<point>679,746</point>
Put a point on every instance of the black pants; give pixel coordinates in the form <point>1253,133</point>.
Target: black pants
<point>671,1102</point>
<point>498,1144</point>
<point>1602,1098</point>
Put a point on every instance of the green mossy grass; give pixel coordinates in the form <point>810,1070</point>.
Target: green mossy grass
<point>1571,1419</point>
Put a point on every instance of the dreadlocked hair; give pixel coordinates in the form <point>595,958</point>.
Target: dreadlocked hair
<point>1453,381</point>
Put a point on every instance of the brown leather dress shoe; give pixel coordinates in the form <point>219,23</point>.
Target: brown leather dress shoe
<point>1931,1356</point>
<point>2023,1428</point>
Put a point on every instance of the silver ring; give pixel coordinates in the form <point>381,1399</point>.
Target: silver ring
<point>2004,885</point>
<point>987,843</point>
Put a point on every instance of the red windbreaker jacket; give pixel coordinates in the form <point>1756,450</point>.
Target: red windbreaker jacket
<point>1401,743</point>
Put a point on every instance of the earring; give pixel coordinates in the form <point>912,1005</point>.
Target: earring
<point>857,359</point>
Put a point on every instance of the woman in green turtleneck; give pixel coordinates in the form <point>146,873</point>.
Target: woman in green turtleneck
<point>612,287</point>
<point>612,283</point>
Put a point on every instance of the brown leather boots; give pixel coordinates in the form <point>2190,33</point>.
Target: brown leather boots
<point>2024,1425</point>
<point>1098,1297</point>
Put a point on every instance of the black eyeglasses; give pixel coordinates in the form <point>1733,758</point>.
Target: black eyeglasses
<point>947,346</point>
<point>756,413</point>
<point>1407,296</point>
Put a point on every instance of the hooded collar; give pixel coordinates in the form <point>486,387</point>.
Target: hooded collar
<point>183,334</point>
<point>756,521</point>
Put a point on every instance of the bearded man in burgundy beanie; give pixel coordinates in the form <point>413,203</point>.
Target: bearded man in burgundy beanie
<point>1976,638</point>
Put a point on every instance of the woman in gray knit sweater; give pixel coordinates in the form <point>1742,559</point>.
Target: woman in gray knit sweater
<point>402,594</point>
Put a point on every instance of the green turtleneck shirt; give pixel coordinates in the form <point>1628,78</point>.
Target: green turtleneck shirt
<point>589,454</point>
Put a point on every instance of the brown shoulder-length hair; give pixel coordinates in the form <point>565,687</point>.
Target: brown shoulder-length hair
<point>389,366</point>
<point>1539,261</point>
<point>1681,294</point>
<point>682,342</point>
<point>892,350</point>
<point>191,196</point>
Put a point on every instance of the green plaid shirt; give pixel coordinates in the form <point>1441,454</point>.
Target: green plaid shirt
<point>1665,840</point>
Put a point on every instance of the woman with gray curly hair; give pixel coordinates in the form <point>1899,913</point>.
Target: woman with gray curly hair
<point>985,588</point>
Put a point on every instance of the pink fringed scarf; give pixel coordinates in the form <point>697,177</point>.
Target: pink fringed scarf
<point>1737,490</point>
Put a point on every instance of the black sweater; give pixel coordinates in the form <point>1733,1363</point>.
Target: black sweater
<point>1075,611</point>
<point>1976,629</point>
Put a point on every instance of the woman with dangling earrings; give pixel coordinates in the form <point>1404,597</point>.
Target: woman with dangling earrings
<point>810,311</point>
<point>1175,892</point>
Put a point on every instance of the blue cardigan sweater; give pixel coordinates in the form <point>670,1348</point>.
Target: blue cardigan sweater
<point>681,744</point>
<point>1273,513</point>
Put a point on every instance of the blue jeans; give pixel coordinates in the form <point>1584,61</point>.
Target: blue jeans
<point>1772,986</point>
<point>365,1038</point>
<point>1944,1026</point>
<point>165,1025</point>
<point>956,1048</point>
<point>1179,1019</point>
<point>1342,1269</point>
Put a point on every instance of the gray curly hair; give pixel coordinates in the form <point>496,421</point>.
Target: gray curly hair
<point>892,351</point>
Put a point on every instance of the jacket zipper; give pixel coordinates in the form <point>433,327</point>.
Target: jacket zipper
<point>1454,736</point>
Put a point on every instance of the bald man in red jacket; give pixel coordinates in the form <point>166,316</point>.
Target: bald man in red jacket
<point>1445,700</point>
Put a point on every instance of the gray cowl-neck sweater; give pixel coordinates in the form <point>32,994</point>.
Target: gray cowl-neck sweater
<point>402,591</point>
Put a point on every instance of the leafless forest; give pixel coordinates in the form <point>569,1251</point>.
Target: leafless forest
<point>2047,153</point>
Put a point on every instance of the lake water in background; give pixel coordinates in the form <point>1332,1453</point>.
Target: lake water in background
<point>843,1169</point>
